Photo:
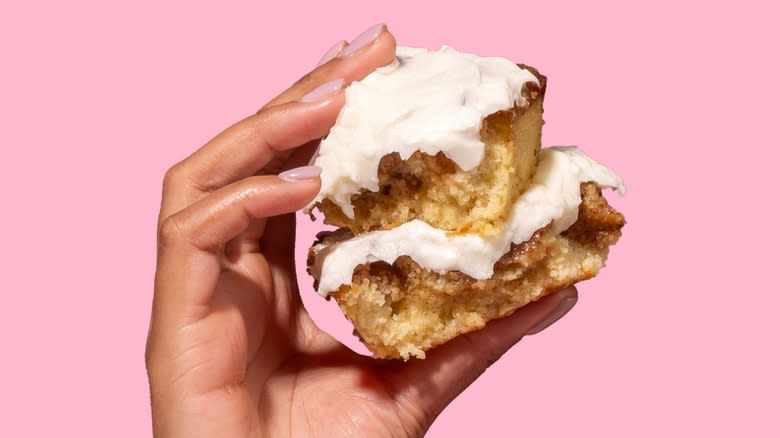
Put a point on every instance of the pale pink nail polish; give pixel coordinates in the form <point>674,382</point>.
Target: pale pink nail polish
<point>363,40</point>
<point>327,89</point>
<point>332,52</point>
<point>305,173</point>
<point>559,312</point>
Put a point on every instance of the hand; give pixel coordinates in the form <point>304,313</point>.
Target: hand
<point>231,350</point>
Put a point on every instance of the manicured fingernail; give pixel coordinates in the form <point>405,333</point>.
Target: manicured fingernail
<point>305,173</point>
<point>363,40</point>
<point>562,309</point>
<point>327,89</point>
<point>332,52</point>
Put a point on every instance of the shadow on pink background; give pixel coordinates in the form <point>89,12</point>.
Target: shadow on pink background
<point>677,337</point>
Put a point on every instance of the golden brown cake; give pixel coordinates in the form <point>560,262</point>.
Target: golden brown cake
<point>434,189</point>
<point>400,310</point>
<point>433,243</point>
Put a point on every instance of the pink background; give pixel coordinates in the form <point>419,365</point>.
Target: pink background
<point>677,337</point>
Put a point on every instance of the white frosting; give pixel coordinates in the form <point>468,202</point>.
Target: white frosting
<point>427,101</point>
<point>553,196</point>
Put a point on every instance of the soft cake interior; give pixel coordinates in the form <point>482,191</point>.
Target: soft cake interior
<point>402,310</point>
<point>437,191</point>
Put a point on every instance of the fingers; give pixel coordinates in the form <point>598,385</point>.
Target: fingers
<point>428,386</point>
<point>241,150</point>
<point>189,246</point>
<point>333,52</point>
<point>373,48</point>
<point>303,113</point>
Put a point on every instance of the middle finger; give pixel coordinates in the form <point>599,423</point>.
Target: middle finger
<point>239,151</point>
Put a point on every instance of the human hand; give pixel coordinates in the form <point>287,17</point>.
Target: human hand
<point>231,350</point>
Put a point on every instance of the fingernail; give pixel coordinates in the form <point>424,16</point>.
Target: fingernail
<point>327,89</point>
<point>332,52</point>
<point>314,156</point>
<point>562,309</point>
<point>363,40</point>
<point>305,173</point>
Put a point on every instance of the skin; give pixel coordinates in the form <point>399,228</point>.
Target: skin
<point>231,350</point>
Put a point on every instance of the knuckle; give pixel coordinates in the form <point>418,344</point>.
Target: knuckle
<point>151,361</point>
<point>149,356</point>
<point>171,230</point>
<point>174,175</point>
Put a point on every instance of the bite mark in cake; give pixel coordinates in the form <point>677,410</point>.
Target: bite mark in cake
<point>553,198</point>
<point>447,220</point>
<point>445,137</point>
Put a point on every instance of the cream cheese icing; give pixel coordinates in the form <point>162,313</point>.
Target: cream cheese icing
<point>553,197</point>
<point>431,101</point>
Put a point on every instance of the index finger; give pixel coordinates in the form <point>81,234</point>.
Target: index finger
<point>242,150</point>
<point>373,48</point>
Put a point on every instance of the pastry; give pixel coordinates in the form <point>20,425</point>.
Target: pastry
<point>449,213</point>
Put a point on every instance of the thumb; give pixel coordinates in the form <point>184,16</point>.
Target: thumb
<point>425,387</point>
